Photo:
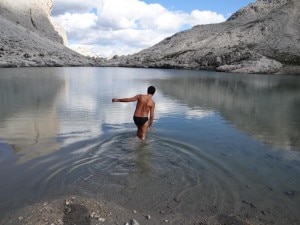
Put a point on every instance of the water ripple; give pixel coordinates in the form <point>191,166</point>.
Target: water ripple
<point>169,171</point>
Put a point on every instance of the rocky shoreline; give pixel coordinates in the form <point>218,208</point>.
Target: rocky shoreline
<point>85,211</point>
<point>81,210</point>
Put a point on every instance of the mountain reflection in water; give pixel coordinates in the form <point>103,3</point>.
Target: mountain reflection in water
<point>218,146</point>
<point>266,107</point>
<point>28,113</point>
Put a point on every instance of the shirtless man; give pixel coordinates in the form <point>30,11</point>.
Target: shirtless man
<point>144,105</point>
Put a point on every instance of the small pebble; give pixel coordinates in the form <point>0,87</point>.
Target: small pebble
<point>67,202</point>
<point>101,220</point>
<point>166,221</point>
<point>148,217</point>
<point>67,210</point>
<point>20,218</point>
<point>134,211</point>
<point>134,222</point>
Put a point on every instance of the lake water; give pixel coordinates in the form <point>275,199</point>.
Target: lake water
<point>222,144</point>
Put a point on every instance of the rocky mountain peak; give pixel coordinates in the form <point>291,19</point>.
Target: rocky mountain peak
<point>258,9</point>
<point>262,37</point>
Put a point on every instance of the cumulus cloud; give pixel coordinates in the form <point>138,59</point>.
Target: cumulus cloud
<point>76,21</point>
<point>204,17</point>
<point>73,6</point>
<point>123,26</point>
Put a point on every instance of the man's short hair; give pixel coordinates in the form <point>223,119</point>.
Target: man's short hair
<point>151,90</point>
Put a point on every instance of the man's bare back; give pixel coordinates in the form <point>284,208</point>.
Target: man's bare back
<point>144,106</point>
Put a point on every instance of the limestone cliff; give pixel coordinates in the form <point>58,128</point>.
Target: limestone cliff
<point>31,14</point>
<point>263,37</point>
<point>28,37</point>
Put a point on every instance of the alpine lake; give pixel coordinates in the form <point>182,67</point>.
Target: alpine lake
<point>223,146</point>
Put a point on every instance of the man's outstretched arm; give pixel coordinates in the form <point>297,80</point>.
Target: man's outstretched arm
<point>135,98</point>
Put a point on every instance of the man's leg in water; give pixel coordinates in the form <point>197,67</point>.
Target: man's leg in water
<point>142,130</point>
<point>138,132</point>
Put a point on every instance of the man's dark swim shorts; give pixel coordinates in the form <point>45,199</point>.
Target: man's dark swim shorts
<point>140,121</point>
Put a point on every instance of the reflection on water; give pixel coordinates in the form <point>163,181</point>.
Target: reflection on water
<point>28,114</point>
<point>211,151</point>
<point>266,107</point>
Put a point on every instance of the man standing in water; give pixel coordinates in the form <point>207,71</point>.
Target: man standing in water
<point>145,104</point>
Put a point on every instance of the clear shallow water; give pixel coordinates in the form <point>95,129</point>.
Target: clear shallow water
<point>223,144</point>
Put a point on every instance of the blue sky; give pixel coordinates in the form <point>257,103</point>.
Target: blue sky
<point>120,27</point>
<point>225,7</point>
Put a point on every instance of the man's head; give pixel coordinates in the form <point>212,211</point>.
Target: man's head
<point>151,90</point>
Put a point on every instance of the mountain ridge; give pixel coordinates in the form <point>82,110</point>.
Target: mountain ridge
<point>262,37</point>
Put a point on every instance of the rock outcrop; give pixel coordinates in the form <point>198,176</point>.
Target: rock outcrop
<point>31,14</point>
<point>28,37</point>
<point>263,37</point>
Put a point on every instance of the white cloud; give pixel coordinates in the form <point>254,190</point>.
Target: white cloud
<point>73,6</point>
<point>76,21</point>
<point>204,17</point>
<point>198,113</point>
<point>124,26</point>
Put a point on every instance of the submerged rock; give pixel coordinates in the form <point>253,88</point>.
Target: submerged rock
<point>290,193</point>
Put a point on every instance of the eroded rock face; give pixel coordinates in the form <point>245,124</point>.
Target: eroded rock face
<point>255,10</point>
<point>28,37</point>
<point>263,37</point>
<point>31,14</point>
